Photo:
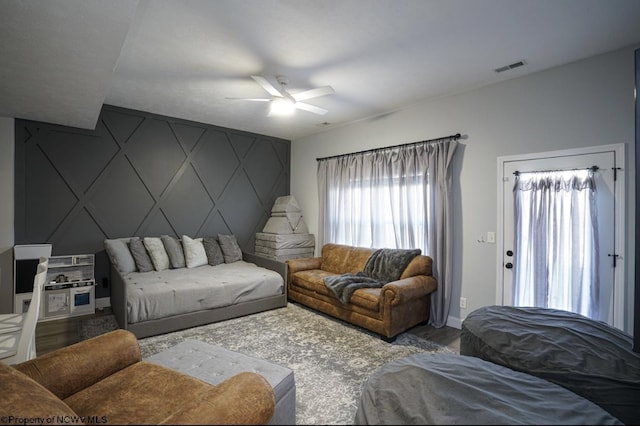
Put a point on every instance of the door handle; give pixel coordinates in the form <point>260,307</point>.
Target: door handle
<point>508,265</point>
<point>510,253</point>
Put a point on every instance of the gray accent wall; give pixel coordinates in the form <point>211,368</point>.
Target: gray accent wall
<point>146,175</point>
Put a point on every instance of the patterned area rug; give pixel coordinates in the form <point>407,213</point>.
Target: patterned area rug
<point>331,359</point>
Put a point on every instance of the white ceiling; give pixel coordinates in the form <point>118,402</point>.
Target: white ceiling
<point>62,59</point>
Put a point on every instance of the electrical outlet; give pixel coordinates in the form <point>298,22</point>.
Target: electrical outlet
<point>463,302</point>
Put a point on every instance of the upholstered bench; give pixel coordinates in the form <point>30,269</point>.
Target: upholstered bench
<point>588,357</point>
<point>214,364</point>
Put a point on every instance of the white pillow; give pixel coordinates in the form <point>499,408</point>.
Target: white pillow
<point>194,253</point>
<point>158,254</point>
<point>120,255</point>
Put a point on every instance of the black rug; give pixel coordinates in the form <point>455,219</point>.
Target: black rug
<point>331,359</point>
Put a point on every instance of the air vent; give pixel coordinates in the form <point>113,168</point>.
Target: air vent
<point>511,66</point>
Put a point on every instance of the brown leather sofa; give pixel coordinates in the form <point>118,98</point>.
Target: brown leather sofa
<point>388,311</point>
<point>104,381</point>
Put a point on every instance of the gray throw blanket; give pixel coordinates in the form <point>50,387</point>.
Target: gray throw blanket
<point>384,266</point>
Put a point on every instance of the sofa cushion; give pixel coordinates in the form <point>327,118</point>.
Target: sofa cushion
<point>213,251</point>
<point>174,250</point>
<point>313,280</point>
<point>120,255</point>
<point>194,254</point>
<point>157,252</point>
<point>341,259</point>
<point>140,255</point>
<point>230,248</point>
<point>39,403</point>
<point>152,393</point>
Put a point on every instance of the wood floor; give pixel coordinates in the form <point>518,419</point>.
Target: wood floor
<point>55,334</point>
<point>51,335</point>
<point>445,336</point>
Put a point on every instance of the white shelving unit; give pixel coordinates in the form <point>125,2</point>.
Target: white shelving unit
<point>70,287</point>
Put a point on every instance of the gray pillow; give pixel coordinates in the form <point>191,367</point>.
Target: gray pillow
<point>174,251</point>
<point>119,255</point>
<point>140,255</point>
<point>213,250</point>
<point>230,248</point>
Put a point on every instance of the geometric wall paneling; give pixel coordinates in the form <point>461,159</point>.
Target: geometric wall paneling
<point>155,225</point>
<point>187,134</point>
<point>155,154</point>
<point>79,158</point>
<point>216,161</point>
<point>187,204</point>
<point>121,124</point>
<point>241,143</point>
<point>120,201</point>
<point>264,178</point>
<point>239,208</point>
<point>142,174</point>
<point>54,196</point>
<point>80,231</point>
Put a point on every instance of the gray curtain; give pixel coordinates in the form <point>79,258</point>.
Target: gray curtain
<point>556,241</point>
<point>393,198</point>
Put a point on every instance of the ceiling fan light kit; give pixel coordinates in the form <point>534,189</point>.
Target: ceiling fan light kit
<point>282,107</point>
<point>283,103</point>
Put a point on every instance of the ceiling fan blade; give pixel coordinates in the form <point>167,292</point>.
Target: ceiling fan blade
<point>311,108</point>
<point>313,93</point>
<point>266,85</point>
<point>250,99</point>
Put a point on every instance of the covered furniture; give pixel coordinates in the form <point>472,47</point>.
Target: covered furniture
<point>214,364</point>
<point>446,389</point>
<point>388,311</point>
<point>161,299</point>
<point>104,380</point>
<point>285,235</point>
<point>585,356</point>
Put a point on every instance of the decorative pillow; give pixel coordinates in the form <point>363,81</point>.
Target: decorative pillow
<point>140,255</point>
<point>120,255</point>
<point>213,250</point>
<point>230,248</point>
<point>157,252</point>
<point>174,251</point>
<point>194,254</point>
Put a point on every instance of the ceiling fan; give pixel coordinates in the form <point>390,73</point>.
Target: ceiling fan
<point>285,103</point>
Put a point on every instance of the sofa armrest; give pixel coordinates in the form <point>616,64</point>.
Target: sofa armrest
<point>274,265</point>
<point>246,398</point>
<point>400,291</point>
<point>70,369</point>
<point>302,264</point>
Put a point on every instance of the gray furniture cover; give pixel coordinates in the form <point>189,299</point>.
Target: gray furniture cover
<point>588,357</point>
<point>452,389</point>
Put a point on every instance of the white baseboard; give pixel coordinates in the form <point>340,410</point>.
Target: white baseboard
<point>103,302</point>
<point>454,322</point>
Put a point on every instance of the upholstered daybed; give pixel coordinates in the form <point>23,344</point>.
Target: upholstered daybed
<point>164,295</point>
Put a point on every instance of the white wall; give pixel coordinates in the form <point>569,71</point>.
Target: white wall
<point>586,103</point>
<point>7,143</point>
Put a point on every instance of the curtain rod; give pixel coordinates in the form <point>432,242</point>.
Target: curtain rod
<point>454,137</point>
<point>592,168</point>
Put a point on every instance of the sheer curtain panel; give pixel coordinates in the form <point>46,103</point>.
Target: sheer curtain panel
<point>556,241</point>
<point>393,198</point>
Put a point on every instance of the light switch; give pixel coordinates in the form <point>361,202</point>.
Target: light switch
<point>491,237</point>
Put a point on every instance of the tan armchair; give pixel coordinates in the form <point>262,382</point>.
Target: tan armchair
<point>104,380</point>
